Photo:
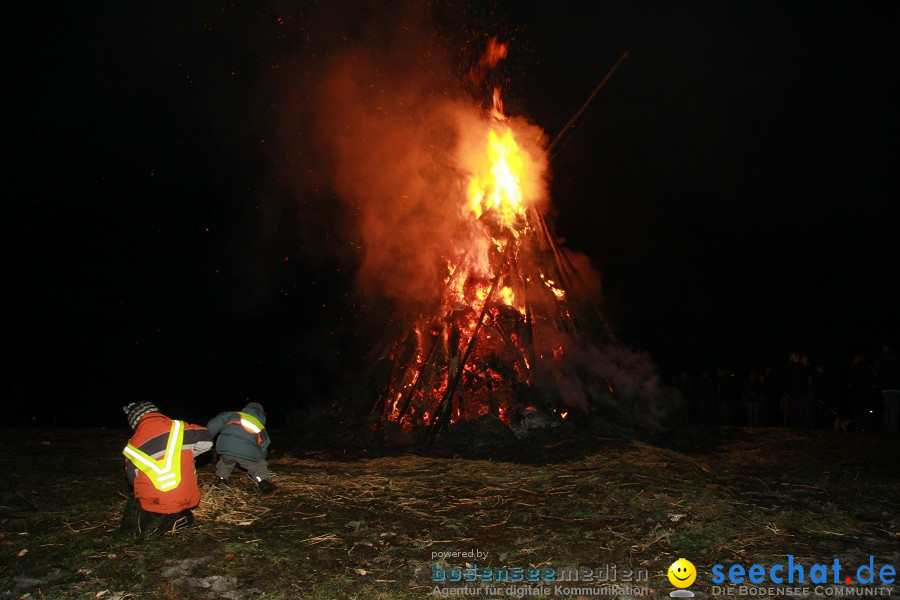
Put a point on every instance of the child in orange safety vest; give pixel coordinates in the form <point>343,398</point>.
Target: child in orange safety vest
<point>159,464</point>
<point>243,441</point>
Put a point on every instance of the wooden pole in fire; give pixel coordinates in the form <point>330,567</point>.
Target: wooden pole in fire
<point>442,411</point>
<point>558,252</point>
<point>586,103</point>
<point>561,258</point>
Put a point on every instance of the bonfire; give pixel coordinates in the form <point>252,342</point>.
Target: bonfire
<point>513,310</point>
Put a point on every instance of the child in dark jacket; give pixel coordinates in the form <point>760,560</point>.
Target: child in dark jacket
<point>243,441</point>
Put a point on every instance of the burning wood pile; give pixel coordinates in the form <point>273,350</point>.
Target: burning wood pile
<point>494,327</point>
<point>513,309</point>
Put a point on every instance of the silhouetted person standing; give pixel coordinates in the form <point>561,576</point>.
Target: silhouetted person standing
<point>824,394</point>
<point>753,399</point>
<point>726,396</point>
<point>706,393</point>
<point>887,379</point>
<point>860,382</point>
<point>770,396</point>
<point>795,388</point>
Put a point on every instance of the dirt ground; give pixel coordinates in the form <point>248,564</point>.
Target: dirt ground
<point>367,524</point>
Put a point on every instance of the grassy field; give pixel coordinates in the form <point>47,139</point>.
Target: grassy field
<point>356,524</point>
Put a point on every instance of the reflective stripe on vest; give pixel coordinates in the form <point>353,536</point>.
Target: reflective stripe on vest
<point>250,424</point>
<point>165,473</point>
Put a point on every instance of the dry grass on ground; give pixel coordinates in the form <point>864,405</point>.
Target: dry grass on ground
<point>358,527</point>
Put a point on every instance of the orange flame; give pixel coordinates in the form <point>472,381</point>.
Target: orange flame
<point>497,107</point>
<point>551,285</point>
<point>494,53</point>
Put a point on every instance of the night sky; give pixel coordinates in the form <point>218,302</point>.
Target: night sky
<point>735,183</point>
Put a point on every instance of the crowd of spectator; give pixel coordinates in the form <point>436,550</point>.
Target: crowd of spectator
<point>801,393</point>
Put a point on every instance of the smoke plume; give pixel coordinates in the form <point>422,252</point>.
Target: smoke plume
<point>386,114</point>
<point>399,138</point>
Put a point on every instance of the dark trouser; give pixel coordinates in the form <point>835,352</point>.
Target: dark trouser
<point>258,469</point>
<point>797,414</point>
<point>753,414</point>
<point>143,522</point>
<point>891,400</point>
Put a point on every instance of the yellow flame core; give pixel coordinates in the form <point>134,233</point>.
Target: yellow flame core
<point>497,187</point>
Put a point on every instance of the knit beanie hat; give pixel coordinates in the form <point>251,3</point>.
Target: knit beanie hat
<point>136,410</point>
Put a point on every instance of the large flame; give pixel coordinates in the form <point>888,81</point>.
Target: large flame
<point>498,172</point>
<point>497,186</point>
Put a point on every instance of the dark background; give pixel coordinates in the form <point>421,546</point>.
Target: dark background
<point>735,183</point>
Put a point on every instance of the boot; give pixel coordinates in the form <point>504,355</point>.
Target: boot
<point>151,523</point>
<point>266,486</point>
<point>131,517</point>
<point>176,521</point>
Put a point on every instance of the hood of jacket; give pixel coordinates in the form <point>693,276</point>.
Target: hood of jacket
<point>255,409</point>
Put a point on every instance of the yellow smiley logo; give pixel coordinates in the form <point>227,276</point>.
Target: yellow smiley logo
<point>682,573</point>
